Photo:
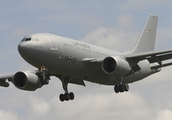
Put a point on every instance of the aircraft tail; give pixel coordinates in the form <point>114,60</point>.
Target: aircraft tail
<point>146,41</point>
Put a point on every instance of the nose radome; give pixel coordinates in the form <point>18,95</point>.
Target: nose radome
<point>20,47</point>
<point>24,49</point>
<point>24,45</point>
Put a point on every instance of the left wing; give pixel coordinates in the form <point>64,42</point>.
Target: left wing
<point>152,57</point>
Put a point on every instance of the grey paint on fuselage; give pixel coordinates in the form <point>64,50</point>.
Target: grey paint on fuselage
<point>64,56</point>
<point>74,61</point>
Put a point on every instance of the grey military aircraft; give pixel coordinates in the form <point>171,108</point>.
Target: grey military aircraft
<point>75,62</point>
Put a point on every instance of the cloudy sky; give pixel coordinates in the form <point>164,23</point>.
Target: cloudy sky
<point>111,24</point>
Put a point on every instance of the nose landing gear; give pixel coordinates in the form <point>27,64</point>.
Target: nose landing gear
<point>44,76</point>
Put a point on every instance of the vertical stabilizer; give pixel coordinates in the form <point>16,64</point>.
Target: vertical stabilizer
<point>146,41</point>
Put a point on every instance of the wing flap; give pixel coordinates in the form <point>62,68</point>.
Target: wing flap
<point>3,80</point>
<point>152,57</point>
<point>3,83</point>
<point>146,55</point>
<point>160,66</point>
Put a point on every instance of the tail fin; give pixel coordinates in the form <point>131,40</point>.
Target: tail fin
<point>146,41</point>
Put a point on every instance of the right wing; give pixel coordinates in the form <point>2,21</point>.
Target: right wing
<point>4,80</point>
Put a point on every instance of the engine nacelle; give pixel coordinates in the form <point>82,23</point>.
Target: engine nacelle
<point>27,81</point>
<point>116,65</point>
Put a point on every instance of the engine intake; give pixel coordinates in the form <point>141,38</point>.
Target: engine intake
<point>26,81</point>
<point>116,66</point>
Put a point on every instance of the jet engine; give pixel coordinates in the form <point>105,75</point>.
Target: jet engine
<point>116,66</point>
<point>27,81</point>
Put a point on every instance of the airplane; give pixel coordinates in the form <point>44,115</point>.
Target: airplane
<point>75,62</point>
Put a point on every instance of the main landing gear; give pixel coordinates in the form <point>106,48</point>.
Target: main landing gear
<point>121,88</point>
<point>66,96</point>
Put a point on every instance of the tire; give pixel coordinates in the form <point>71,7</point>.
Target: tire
<point>126,87</point>
<point>121,88</point>
<point>116,88</point>
<point>61,97</point>
<point>46,81</point>
<point>71,95</point>
<point>66,96</point>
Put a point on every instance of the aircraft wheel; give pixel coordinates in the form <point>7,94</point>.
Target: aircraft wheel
<point>66,97</point>
<point>126,87</point>
<point>61,97</point>
<point>71,95</point>
<point>121,88</point>
<point>116,88</point>
<point>46,81</point>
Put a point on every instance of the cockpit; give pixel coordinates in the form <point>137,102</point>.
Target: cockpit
<point>26,39</point>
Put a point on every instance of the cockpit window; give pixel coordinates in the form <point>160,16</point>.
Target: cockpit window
<point>26,39</point>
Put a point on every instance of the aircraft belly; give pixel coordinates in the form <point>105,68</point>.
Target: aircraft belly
<point>83,72</point>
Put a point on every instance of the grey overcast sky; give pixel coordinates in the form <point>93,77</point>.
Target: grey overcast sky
<point>111,24</point>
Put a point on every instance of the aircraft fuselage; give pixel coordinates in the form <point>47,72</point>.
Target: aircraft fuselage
<point>75,59</point>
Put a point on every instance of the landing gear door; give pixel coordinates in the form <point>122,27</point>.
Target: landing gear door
<point>53,42</point>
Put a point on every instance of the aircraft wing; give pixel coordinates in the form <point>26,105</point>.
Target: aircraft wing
<point>94,63</point>
<point>3,80</point>
<point>152,57</point>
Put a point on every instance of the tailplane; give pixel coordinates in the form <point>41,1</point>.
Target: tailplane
<point>146,41</point>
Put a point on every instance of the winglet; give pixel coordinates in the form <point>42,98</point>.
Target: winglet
<point>146,41</point>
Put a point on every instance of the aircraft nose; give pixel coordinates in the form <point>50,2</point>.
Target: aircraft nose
<point>20,47</point>
<point>24,47</point>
